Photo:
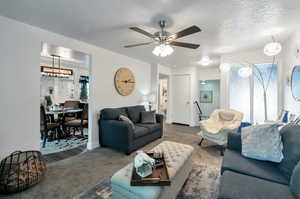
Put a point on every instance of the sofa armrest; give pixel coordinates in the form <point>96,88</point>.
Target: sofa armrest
<point>234,142</point>
<point>115,133</point>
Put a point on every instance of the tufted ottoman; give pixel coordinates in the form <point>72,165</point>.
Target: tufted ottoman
<point>179,162</point>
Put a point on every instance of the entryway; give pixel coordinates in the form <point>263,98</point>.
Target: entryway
<point>163,90</point>
<point>64,98</point>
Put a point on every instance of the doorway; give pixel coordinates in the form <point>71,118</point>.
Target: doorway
<point>181,106</point>
<point>163,90</point>
<point>64,98</point>
<point>209,97</point>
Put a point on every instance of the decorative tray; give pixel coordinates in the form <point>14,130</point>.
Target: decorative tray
<point>159,176</point>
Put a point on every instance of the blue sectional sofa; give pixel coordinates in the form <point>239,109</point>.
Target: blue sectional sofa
<point>120,135</point>
<point>244,178</point>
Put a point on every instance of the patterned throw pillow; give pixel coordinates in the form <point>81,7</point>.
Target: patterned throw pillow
<point>124,118</point>
<point>262,142</point>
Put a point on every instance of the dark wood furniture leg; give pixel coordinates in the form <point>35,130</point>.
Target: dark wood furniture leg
<point>201,141</point>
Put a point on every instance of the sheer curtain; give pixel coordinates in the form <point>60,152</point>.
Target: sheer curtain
<point>242,88</point>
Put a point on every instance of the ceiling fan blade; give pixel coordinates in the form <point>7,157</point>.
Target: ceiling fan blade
<point>185,45</point>
<point>143,32</point>
<point>185,32</point>
<point>135,45</point>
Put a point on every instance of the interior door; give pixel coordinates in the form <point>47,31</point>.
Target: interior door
<point>181,99</point>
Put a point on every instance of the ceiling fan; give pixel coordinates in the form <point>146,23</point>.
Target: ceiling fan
<point>165,38</point>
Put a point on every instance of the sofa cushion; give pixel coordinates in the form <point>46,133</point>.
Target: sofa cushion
<point>150,127</point>
<point>134,113</point>
<point>291,150</point>
<point>140,132</point>
<point>295,181</point>
<point>262,142</point>
<point>113,113</point>
<point>239,186</point>
<point>234,161</point>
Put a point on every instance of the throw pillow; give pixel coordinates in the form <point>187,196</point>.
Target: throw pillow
<point>124,118</point>
<point>291,148</point>
<point>262,142</point>
<point>295,181</point>
<point>148,117</point>
<point>134,113</point>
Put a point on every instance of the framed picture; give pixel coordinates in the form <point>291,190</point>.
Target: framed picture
<point>206,97</point>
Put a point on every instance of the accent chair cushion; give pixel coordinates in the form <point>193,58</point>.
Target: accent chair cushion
<point>148,117</point>
<point>291,148</point>
<point>113,113</point>
<point>124,118</point>
<point>234,161</point>
<point>134,113</point>
<point>238,186</point>
<point>226,116</point>
<point>295,181</point>
<point>262,142</point>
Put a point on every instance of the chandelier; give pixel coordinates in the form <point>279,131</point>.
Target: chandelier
<point>163,50</point>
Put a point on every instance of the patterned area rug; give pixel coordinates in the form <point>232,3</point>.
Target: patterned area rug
<point>63,145</point>
<point>202,183</point>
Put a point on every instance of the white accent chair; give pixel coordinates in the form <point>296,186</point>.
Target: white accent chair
<point>218,125</point>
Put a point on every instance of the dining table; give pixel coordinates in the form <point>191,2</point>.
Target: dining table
<point>58,114</point>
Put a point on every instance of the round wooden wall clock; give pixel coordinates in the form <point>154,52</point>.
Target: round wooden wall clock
<point>124,81</point>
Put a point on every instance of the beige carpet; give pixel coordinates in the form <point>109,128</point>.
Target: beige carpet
<point>67,178</point>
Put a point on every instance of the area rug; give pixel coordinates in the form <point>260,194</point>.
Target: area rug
<point>63,145</point>
<point>202,183</point>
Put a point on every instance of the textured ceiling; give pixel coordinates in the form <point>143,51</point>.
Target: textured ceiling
<point>228,25</point>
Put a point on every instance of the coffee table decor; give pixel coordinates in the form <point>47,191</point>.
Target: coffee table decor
<point>21,170</point>
<point>157,174</point>
<point>178,160</point>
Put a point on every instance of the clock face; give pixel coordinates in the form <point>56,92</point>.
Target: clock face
<point>124,81</point>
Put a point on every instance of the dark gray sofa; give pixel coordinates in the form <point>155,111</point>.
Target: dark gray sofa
<point>121,135</point>
<point>244,178</point>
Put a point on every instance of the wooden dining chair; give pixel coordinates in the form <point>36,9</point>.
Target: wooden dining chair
<point>78,124</point>
<point>71,104</point>
<point>46,126</point>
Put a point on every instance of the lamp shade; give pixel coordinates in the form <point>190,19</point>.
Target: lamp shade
<point>245,71</point>
<point>272,49</point>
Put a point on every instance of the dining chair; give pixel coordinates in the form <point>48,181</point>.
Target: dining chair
<point>71,104</point>
<point>46,126</point>
<point>78,124</point>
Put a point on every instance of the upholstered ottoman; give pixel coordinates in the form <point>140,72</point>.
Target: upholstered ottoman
<point>179,162</point>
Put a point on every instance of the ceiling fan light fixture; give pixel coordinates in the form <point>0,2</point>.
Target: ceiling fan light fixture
<point>272,49</point>
<point>163,50</point>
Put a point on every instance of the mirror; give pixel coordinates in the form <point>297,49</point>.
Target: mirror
<point>295,83</point>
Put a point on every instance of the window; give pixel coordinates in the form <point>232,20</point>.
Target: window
<point>246,94</point>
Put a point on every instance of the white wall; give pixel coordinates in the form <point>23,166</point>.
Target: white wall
<point>20,83</point>
<point>209,73</point>
<point>290,59</point>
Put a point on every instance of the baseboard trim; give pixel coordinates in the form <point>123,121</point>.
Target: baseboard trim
<point>180,124</point>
